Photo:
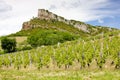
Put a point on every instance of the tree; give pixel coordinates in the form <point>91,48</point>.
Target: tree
<point>8,45</point>
<point>49,37</point>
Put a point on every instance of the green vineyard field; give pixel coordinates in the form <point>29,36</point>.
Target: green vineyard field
<point>78,54</point>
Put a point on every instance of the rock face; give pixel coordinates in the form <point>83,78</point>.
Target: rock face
<point>46,15</point>
<point>26,26</point>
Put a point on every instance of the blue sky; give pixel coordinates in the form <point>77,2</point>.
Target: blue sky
<point>109,22</point>
<point>96,12</point>
<point>112,20</point>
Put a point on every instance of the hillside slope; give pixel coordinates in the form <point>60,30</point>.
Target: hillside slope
<point>93,54</point>
<point>48,20</point>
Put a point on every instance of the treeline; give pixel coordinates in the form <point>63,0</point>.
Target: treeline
<point>41,38</point>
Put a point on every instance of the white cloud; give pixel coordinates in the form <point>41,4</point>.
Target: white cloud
<point>84,10</point>
<point>100,21</point>
<point>4,10</point>
<point>4,7</point>
<point>14,12</point>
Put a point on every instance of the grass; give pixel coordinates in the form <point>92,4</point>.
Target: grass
<point>20,39</point>
<point>37,25</point>
<point>59,75</point>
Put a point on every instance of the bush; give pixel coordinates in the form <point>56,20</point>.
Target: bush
<point>8,45</point>
<point>49,37</point>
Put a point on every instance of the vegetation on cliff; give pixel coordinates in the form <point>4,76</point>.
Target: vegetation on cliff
<point>50,37</point>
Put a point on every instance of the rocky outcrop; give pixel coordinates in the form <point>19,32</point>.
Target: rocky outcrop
<point>26,26</point>
<point>46,15</point>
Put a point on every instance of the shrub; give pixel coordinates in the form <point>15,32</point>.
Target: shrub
<point>49,37</point>
<point>8,45</point>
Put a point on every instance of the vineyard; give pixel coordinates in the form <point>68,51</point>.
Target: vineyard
<point>50,47</point>
<point>78,54</point>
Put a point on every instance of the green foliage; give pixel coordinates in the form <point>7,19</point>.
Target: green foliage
<point>24,47</point>
<point>49,37</point>
<point>1,52</point>
<point>8,45</point>
<point>83,54</point>
<point>37,25</point>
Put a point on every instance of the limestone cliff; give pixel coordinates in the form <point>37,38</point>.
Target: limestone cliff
<point>26,26</point>
<point>46,15</point>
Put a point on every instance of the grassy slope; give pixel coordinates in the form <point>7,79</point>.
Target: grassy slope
<point>60,26</point>
<point>20,39</point>
<point>107,34</point>
<point>49,25</point>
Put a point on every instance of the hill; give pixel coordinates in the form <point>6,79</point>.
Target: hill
<point>89,56</point>
<point>48,20</point>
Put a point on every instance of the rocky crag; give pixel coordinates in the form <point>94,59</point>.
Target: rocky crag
<point>49,16</point>
<point>46,15</point>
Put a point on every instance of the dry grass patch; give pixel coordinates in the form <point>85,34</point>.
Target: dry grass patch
<point>20,39</point>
